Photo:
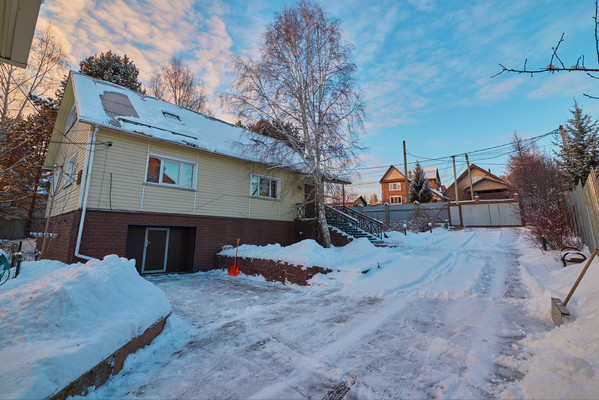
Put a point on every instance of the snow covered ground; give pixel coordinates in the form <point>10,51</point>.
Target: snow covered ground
<point>462,314</point>
<point>444,315</point>
<point>57,321</point>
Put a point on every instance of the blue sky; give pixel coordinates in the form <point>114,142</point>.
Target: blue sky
<point>424,67</point>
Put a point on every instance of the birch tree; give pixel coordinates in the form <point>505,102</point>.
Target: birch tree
<point>304,77</point>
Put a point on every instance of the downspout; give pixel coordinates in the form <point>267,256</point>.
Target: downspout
<point>86,197</point>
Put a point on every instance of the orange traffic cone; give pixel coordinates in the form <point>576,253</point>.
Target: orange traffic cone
<point>234,269</point>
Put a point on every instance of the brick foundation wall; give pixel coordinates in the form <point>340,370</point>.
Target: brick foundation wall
<point>272,270</point>
<point>62,247</point>
<point>105,232</point>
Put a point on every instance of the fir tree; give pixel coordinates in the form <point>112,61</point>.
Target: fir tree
<point>113,68</point>
<point>579,151</point>
<point>420,189</point>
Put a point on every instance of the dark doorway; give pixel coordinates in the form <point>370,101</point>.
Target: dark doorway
<point>155,250</point>
<point>159,249</point>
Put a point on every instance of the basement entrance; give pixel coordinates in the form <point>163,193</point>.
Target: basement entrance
<point>160,249</point>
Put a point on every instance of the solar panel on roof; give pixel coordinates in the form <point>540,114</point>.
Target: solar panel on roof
<point>117,105</point>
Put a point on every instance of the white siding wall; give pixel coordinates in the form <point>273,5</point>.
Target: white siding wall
<point>66,198</point>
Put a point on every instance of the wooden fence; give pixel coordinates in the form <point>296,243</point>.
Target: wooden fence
<point>583,211</point>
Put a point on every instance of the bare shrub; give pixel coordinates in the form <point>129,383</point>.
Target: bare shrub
<point>415,223</point>
<point>540,185</point>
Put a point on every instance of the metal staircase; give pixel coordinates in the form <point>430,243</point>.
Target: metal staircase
<point>355,224</point>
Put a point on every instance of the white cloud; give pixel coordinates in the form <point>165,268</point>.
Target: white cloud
<point>148,31</point>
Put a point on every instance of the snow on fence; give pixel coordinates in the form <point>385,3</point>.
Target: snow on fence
<point>402,212</point>
<point>483,213</point>
<point>583,211</point>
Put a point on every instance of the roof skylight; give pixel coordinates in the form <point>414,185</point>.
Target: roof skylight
<point>171,116</point>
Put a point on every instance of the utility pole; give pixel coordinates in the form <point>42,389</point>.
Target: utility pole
<point>455,186</point>
<point>469,177</point>
<point>405,170</point>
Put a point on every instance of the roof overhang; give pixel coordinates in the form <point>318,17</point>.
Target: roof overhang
<point>17,27</point>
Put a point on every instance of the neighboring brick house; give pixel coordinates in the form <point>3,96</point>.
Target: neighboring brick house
<point>151,181</point>
<point>485,185</point>
<point>393,185</point>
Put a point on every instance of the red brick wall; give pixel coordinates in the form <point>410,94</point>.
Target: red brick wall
<point>388,193</point>
<point>272,270</point>
<point>105,232</point>
<point>62,247</point>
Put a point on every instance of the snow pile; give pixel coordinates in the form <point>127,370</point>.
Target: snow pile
<point>360,267</point>
<point>68,318</point>
<point>565,360</point>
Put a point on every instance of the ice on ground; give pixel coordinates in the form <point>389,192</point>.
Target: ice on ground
<point>59,320</point>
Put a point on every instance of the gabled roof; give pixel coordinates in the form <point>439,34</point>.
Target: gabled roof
<point>390,171</point>
<point>488,176</point>
<point>109,105</point>
<point>429,173</point>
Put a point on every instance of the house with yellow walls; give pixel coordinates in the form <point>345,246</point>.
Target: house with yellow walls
<point>151,181</point>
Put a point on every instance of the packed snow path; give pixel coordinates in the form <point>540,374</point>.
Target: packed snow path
<point>451,333</point>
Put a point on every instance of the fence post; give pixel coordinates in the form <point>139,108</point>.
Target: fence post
<point>416,209</point>
<point>387,217</point>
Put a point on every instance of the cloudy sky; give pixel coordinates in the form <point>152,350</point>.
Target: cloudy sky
<point>424,66</point>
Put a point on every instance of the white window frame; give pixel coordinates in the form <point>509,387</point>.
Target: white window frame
<point>172,160</point>
<point>271,178</point>
<point>70,169</point>
<point>55,179</point>
<point>395,197</point>
<point>395,183</point>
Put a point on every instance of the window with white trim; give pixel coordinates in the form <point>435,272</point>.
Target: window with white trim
<point>69,175</point>
<point>264,186</point>
<point>170,172</point>
<point>395,199</point>
<point>55,179</point>
<point>394,186</point>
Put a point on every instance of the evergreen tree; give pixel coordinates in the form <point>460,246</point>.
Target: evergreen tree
<point>420,189</point>
<point>579,151</point>
<point>113,68</point>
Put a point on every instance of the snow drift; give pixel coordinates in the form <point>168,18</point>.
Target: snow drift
<point>59,320</point>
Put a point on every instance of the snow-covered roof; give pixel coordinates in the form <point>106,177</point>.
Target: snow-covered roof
<point>439,194</point>
<point>113,106</point>
<point>429,173</point>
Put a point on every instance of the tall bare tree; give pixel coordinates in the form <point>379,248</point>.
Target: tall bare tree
<point>304,77</point>
<point>17,86</point>
<point>26,120</point>
<point>174,82</point>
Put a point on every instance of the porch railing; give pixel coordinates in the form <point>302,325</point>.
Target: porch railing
<point>344,218</point>
<point>365,222</point>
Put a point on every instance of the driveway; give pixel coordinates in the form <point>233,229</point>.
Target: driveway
<point>452,333</point>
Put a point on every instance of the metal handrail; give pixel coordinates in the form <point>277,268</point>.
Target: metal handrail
<point>350,212</point>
